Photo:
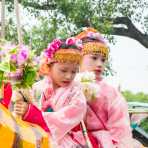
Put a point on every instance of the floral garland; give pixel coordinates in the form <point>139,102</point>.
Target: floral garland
<point>96,36</point>
<point>92,34</point>
<point>57,44</point>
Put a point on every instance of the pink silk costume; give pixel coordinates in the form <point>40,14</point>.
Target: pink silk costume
<point>69,108</point>
<point>107,119</point>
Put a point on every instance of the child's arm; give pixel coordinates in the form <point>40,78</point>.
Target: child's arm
<point>62,121</point>
<point>29,112</point>
<point>34,115</point>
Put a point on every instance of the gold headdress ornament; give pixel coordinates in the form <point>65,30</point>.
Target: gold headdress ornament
<point>62,51</point>
<point>93,42</point>
<point>67,55</point>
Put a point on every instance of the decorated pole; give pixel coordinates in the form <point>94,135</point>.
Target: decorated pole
<point>2,35</point>
<point>85,134</point>
<point>20,41</point>
<point>16,6</point>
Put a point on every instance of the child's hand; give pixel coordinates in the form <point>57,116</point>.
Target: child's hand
<point>20,108</point>
<point>88,94</point>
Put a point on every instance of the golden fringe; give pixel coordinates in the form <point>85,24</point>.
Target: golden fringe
<point>95,47</point>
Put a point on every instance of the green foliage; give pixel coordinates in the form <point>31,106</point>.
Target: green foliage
<point>87,12</point>
<point>1,77</point>
<point>11,31</point>
<point>141,97</point>
<point>42,34</point>
<point>144,124</point>
<point>29,77</point>
<point>63,18</point>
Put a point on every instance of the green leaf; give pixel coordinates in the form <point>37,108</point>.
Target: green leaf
<point>1,77</point>
<point>5,67</point>
<point>13,50</point>
<point>12,67</point>
<point>29,77</point>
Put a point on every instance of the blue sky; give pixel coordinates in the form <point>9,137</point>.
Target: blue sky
<point>130,61</point>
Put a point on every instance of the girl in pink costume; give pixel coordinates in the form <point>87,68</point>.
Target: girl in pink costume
<point>63,104</point>
<point>107,118</point>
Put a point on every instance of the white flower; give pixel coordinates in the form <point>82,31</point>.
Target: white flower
<point>91,90</point>
<point>85,77</point>
<point>89,86</point>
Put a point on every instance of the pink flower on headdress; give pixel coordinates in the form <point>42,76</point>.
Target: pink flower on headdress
<point>99,37</point>
<point>70,41</point>
<point>52,48</point>
<point>90,34</point>
<point>55,44</point>
<point>74,41</point>
<point>96,36</point>
<point>79,43</point>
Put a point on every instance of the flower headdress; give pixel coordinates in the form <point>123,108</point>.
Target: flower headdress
<point>68,50</point>
<point>64,51</point>
<point>93,42</point>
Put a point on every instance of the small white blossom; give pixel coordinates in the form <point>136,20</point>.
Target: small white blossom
<point>90,87</point>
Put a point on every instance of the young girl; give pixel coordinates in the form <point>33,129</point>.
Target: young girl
<point>63,104</point>
<point>107,118</point>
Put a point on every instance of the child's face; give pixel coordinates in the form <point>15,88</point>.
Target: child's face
<point>94,63</point>
<point>63,74</point>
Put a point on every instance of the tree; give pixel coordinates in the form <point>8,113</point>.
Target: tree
<point>116,17</point>
<point>2,34</point>
<point>141,97</point>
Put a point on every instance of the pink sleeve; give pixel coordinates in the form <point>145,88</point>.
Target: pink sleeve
<point>34,115</point>
<point>62,121</point>
<point>118,125</point>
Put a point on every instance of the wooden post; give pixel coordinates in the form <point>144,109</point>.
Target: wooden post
<point>16,6</point>
<point>2,35</point>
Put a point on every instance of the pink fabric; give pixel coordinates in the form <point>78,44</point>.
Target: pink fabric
<point>108,120</point>
<point>34,115</point>
<point>69,107</point>
<point>7,95</point>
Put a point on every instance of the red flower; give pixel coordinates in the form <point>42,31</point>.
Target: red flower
<point>70,41</point>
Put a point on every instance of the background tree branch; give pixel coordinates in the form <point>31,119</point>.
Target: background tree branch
<point>129,31</point>
<point>44,6</point>
<point>82,14</point>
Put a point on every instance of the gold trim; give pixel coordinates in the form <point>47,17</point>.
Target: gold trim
<point>68,55</point>
<point>95,47</point>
